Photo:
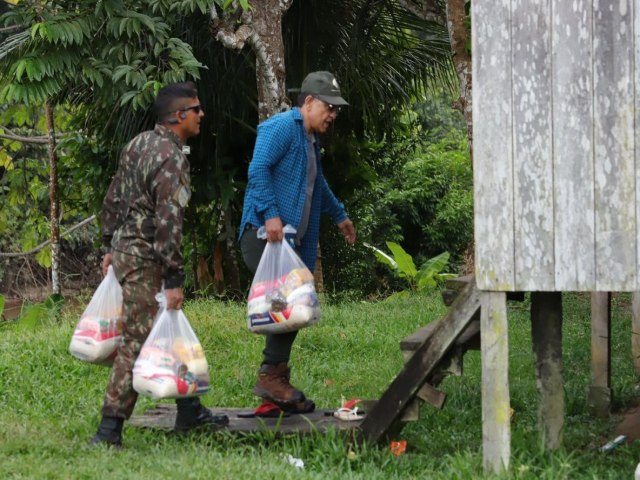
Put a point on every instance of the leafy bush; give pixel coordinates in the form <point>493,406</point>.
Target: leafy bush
<point>403,267</point>
<point>420,197</point>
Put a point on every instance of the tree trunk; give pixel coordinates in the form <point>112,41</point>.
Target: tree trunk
<point>261,27</point>
<point>194,248</point>
<point>459,37</point>
<point>53,199</point>
<point>233,272</point>
<point>268,46</point>
<point>218,272</point>
<point>317,274</point>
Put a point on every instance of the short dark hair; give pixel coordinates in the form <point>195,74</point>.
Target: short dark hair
<point>302,96</point>
<point>169,98</point>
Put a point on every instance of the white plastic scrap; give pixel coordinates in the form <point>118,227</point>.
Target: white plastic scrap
<point>296,462</point>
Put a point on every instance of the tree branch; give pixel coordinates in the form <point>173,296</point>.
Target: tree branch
<point>44,244</point>
<point>9,135</point>
<point>266,69</point>
<point>285,4</point>
<point>10,29</point>
<point>222,29</point>
<point>37,139</point>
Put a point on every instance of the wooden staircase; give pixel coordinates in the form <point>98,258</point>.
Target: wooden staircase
<point>431,353</point>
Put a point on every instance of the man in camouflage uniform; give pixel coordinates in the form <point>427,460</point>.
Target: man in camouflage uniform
<point>142,220</point>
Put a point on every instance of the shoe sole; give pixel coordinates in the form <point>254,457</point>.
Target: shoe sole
<point>199,428</point>
<point>265,394</point>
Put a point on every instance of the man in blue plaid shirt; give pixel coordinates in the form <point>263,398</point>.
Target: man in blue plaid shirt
<point>287,187</point>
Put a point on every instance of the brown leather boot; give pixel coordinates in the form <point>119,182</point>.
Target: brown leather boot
<point>273,383</point>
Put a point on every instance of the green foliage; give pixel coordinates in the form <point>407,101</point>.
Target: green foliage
<point>103,51</point>
<point>92,59</point>
<point>403,266</point>
<point>37,314</point>
<point>25,178</point>
<point>420,196</point>
<point>2,301</point>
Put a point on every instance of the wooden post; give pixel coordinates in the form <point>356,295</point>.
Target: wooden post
<point>494,337</point>
<point>635,331</point>
<point>599,393</point>
<point>546,329</point>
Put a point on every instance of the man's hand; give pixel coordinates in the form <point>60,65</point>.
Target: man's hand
<point>106,261</point>
<point>174,298</point>
<point>273,226</point>
<point>348,230</point>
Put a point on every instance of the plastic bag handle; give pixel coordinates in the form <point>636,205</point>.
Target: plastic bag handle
<point>162,300</point>
<point>111,272</point>
<point>287,229</point>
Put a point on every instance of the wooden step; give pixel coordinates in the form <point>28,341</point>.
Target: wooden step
<point>469,338</point>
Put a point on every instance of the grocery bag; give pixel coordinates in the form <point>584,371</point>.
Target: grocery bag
<point>171,363</point>
<point>98,333</point>
<point>283,295</point>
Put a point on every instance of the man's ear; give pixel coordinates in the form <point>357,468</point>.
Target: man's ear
<point>173,120</point>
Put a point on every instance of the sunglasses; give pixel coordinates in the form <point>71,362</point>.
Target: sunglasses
<point>196,108</point>
<point>330,106</point>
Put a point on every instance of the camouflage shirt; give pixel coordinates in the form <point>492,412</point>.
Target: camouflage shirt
<point>143,210</point>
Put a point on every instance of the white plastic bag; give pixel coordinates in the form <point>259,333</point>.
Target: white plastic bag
<point>283,295</point>
<point>98,333</point>
<point>171,363</point>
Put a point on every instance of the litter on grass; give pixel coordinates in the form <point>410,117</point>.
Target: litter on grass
<point>296,462</point>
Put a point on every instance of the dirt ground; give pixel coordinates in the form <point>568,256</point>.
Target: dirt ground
<point>629,426</point>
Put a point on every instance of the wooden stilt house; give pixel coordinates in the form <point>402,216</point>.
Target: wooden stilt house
<point>557,184</point>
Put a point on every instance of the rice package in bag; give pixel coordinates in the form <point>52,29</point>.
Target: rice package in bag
<point>98,333</point>
<point>171,363</point>
<point>283,295</point>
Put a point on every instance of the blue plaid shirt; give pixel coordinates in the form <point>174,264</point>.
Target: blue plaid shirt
<point>278,181</point>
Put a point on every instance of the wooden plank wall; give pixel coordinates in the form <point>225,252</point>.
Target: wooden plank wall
<point>555,115</point>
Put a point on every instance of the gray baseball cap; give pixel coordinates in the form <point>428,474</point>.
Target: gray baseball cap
<point>324,86</point>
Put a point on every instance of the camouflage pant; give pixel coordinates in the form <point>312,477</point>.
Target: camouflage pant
<point>140,279</point>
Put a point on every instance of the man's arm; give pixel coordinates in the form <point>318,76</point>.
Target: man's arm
<point>171,192</point>
<point>272,143</point>
<point>332,207</point>
<point>110,216</point>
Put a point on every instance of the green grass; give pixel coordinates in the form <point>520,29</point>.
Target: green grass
<point>50,402</point>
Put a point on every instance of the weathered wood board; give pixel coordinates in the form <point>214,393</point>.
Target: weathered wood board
<point>556,124</point>
<point>492,145</point>
<point>496,406</point>
<point>163,417</point>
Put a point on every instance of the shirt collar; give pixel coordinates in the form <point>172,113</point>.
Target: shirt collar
<point>166,132</point>
<point>295,111</point>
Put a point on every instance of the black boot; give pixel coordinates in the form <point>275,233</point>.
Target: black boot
<point>109,432</point>
<point>191,414</point>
